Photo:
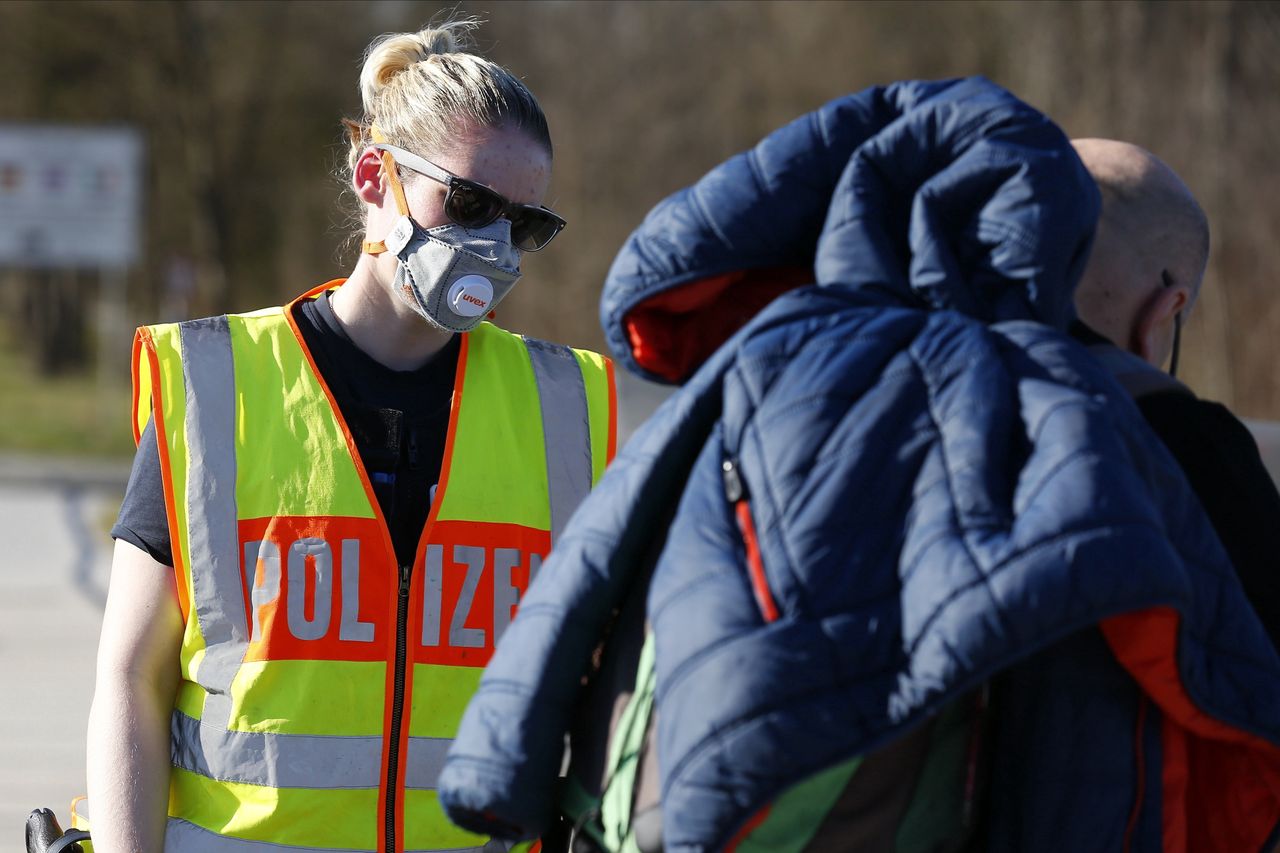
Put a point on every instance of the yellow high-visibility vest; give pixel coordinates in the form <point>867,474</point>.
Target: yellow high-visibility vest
<point>322,683</point>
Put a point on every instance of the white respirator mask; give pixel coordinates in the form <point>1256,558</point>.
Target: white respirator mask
<point>453,276</point>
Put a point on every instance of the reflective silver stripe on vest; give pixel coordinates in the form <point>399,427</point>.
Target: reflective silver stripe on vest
<point>426,760</point>
<point>298,761</point>
<point>180,836</point>
<point>212,531</point>
<point>277,760</point>
<point>566,427</point>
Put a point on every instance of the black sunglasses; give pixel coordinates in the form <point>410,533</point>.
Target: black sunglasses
<point>474,205</point>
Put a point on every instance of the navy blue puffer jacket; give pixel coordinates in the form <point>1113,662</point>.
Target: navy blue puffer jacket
<point>886,489</point>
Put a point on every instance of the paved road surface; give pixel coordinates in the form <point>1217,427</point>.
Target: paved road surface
<point>54,563</point>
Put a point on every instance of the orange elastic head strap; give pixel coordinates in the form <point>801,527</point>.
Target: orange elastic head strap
<point>377,247</point>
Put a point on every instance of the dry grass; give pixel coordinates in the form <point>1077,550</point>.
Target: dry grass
<point>78,414</point>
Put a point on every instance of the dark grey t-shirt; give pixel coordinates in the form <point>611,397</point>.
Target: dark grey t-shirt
<point>399,420</point>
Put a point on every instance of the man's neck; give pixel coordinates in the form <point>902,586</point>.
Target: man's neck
<point>1086,334</point>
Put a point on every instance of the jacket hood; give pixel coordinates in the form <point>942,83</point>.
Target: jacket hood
<point>950,195</point>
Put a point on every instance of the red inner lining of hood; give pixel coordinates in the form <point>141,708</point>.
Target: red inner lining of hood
<point>673,333</point>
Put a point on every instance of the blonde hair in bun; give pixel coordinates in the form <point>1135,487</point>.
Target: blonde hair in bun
<point>423,89</point>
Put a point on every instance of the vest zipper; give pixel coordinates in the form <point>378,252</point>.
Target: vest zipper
<point>397,705</point>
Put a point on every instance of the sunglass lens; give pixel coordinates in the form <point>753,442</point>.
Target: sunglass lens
<point>533,228</point>
<point>471,205</point>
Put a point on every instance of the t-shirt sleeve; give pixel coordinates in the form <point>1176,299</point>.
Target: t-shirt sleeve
<point>1220,458</point>
<point>143,521</point>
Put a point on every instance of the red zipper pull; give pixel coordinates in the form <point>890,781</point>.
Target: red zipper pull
<point>736,492</point>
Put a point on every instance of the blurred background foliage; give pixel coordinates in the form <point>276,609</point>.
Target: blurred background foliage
<point>239,104</point>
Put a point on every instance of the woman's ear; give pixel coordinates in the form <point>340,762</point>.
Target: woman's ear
<point>367,178</point>
<point>1151,336</point>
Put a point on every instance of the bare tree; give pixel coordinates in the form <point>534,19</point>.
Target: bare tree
<point>240,106</point>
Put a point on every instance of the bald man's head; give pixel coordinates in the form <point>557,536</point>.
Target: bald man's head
<point>1150,251</point>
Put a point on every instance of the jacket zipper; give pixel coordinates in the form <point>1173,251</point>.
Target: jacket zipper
<point>397,705</point>
<point>735,491</point>
<point>974,757</point>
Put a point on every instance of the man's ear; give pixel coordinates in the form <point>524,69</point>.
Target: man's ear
<point>367,178</point>
<point>1152,333</point>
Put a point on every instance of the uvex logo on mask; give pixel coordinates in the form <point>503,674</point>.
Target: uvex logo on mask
<point>325,589</point>
<point>470,295</point>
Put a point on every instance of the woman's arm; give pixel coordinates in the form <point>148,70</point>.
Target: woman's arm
<point>137,678</point>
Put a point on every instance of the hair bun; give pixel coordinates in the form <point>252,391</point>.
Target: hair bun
<point>394,53</point>
<point>448,97</point>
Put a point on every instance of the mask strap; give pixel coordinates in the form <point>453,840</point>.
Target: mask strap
<point>377,247</point>
<point>1167,281</point>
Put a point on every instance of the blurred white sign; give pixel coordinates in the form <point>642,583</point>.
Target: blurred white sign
<point>69,196</point>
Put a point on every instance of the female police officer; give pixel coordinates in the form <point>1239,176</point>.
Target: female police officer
<point>352,492</point>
